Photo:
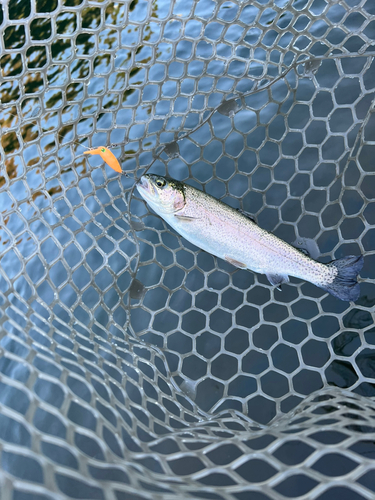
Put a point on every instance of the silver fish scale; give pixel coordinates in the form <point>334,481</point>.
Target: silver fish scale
<point>132,365</point>
<point>224,232</point>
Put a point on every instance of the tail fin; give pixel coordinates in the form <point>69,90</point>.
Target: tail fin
<point>345,286</point>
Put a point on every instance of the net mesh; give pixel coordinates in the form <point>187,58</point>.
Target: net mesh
<point>133,365</point>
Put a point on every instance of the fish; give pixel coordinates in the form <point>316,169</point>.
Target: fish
<point>232,235</point>
<point>107,156</point>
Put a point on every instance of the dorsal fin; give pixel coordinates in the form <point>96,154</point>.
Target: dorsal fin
<point>247,215</point>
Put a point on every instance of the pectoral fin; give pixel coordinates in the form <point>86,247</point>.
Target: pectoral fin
<point>186,218</point>
<point>277,279</point>
<point>235,263</point>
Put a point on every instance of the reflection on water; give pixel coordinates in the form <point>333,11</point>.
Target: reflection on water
<point>13,169</point>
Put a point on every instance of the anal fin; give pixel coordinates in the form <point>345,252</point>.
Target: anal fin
<point>235,262</point>
<point>277,279</point>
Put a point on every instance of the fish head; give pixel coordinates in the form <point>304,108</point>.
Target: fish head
<point>164,195</point>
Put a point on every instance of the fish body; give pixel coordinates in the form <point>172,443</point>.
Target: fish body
<point>230,235</point>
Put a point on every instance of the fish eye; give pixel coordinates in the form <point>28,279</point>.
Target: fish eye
<point>160,182</point>
<point>103,150</point>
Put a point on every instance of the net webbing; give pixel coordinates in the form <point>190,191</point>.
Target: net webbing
<point>133,365</point>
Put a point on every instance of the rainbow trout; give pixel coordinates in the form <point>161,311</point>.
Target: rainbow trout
<point>233,236</point>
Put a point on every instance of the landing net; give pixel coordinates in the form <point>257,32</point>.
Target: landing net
<point>133,365</point>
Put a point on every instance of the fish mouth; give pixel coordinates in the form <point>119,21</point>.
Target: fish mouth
<point>145,188</point>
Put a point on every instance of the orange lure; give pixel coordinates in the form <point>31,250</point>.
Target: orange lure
<point>107,156</point>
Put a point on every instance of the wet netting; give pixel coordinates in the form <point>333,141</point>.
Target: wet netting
<point>132,364</point>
